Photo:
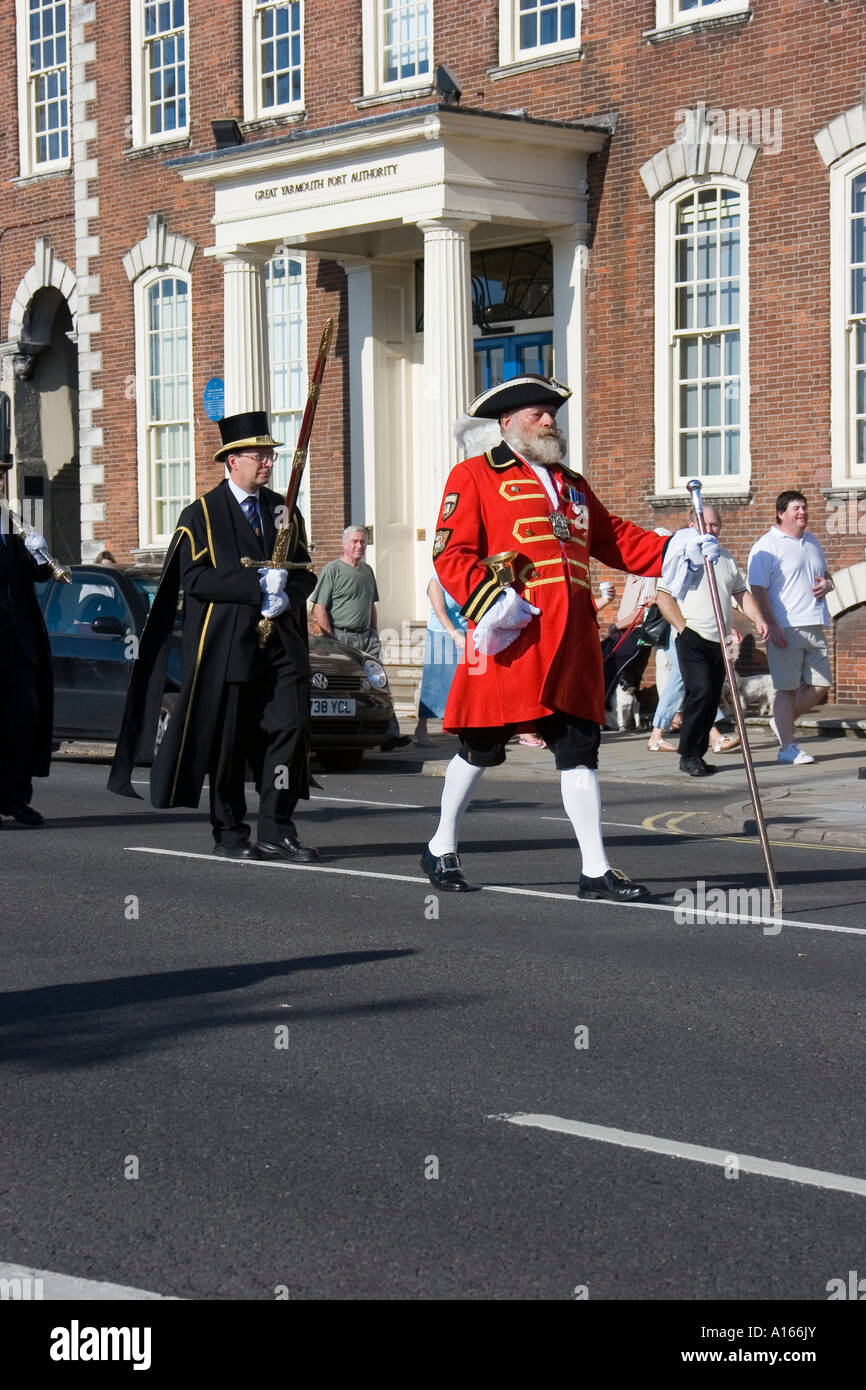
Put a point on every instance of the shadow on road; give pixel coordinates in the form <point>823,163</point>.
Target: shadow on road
<point>96,1021</point>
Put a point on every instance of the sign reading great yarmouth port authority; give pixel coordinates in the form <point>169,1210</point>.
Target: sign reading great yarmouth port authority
<point>322,183</point>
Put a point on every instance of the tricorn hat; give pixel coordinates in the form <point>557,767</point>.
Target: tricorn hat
<point>250,430</point>
<point>518,393</point>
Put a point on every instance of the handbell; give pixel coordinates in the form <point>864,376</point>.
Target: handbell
<point>502,566</point>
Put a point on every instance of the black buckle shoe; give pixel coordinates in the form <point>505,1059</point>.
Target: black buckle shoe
<point>445,873</point>
<point>242,851</point>
<point>288,847</point>
<point>25,815</point>
<point>696,767</point>
<point>614,885</point>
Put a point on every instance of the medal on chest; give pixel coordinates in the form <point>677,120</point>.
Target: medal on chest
<point>560,521</point>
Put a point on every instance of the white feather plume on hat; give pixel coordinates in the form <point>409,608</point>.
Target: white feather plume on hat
<point>476,435</point>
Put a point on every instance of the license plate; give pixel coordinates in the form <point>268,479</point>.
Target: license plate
<point>330,708</point>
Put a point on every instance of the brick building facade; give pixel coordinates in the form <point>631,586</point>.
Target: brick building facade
<point>664,200</point>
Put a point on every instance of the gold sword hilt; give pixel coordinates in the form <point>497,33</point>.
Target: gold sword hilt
<point>282,545</point>
<point>249,562</point>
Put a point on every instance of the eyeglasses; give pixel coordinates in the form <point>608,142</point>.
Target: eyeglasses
<point>256,454</point>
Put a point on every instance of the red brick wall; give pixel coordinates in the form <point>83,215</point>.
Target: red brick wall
<point>803,58</point>
<point>850,631</point>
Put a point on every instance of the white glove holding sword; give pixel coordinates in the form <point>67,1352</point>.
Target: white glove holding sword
<point>273,582</point>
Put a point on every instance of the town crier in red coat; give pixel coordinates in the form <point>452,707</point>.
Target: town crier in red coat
<point>533,652</point>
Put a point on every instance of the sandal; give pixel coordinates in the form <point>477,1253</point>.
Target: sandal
<point>725,744</point>
<point>661,745</point>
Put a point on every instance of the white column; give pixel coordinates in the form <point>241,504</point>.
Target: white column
<point>246,366</point>
<point>362,397</point>
<point>569,333</point>
<point>448,372</point>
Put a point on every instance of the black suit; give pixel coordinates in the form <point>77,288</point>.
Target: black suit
<point>26,688</point>
<point>238,704</point>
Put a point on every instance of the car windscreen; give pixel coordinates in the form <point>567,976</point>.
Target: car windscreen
<point>71,608</point>
<point>147,585</point>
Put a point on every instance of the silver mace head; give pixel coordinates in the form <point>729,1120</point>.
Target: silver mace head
<point>694,487</point>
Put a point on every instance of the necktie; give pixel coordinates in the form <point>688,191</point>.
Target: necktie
<point>251,512</point>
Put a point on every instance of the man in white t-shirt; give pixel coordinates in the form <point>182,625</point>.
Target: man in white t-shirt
<point>699,647</point>
<point>788,577</point>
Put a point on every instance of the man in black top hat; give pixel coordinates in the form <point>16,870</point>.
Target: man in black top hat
<point>239,704</point>
<point>26,687</point>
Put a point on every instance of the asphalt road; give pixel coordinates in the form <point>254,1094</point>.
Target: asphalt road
<point>246,1081</point>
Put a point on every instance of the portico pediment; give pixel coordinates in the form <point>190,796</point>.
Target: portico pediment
<point>385,172</point>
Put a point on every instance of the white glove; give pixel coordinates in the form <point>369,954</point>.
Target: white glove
<point>700,548</point>
<point>274,604</point>
<point>34,542</point>
<point>503,623</point>
<point>491,640</point>
<point>273,581</point>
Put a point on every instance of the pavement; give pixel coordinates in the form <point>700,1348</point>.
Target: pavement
<point>820,803</point>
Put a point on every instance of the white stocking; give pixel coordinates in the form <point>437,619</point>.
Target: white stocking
<point>582,801</point>
<point>460,781</point>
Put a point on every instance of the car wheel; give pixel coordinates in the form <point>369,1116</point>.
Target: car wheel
<point>166,714</point>
<point>340,759</point>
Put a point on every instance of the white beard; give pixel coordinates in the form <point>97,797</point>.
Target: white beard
<point>546,449</point>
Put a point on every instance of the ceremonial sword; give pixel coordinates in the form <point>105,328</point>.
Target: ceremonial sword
<point>694,488</point>
<point>287,534</point>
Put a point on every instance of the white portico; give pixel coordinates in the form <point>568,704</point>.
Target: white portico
<point>434,184</point>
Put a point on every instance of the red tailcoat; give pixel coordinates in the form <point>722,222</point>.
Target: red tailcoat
<point>495,502</point>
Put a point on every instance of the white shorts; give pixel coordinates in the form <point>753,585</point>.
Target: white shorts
<point>803,662</point>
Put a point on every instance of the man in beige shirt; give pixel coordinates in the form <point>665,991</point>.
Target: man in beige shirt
<point>699,647</point>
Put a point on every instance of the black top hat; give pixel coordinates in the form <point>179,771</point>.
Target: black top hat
<point>518,393</point>
<point>249,430</point>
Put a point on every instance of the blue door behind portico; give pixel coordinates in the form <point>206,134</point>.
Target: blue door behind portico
<point>499,359</point>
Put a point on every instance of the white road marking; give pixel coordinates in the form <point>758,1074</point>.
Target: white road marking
<point>358,801</point>
<point>721,918</point>
<point>344,800</point>
<point>54,1287</point>
<point>697,1153</point>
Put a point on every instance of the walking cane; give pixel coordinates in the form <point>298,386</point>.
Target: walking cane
<point>694,488</point>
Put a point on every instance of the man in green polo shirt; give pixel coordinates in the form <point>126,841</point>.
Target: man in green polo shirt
<point>344,604</point>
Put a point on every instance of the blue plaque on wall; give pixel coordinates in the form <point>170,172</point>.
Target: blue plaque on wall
<point>215,398</point>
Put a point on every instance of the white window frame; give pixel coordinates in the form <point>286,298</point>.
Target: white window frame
<point>670,16</point>
<point>280,480</point>
<point>843,442</point>
<point>252,62</point>
<point>510,50</point>
<point>141,135</point>
<point>668,482</point>
<point>149,537</point>
<point>373,31</point>
<point>28,164</point>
